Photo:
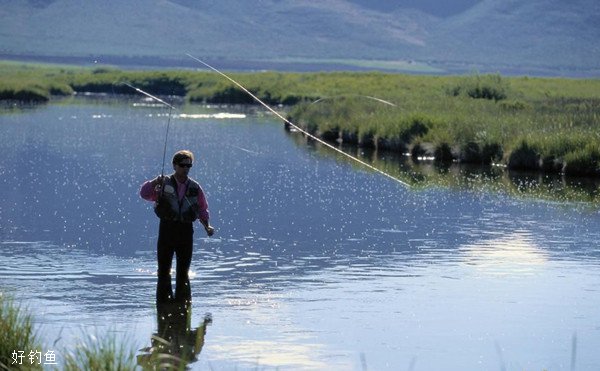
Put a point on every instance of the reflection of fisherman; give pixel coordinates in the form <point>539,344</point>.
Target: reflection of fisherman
<point>175,344</point>
<point>179,201</point>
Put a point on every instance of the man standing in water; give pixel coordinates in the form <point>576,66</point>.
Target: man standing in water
<point>179,201</point>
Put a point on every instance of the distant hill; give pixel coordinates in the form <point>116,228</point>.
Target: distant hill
<point>554,34</point>
<point>535,36</point>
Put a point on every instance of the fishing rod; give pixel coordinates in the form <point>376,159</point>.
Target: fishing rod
<point>297,127</point>
<point>171,108</point>
<point>162,170</point>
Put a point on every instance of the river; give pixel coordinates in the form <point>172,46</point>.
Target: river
<point>316,262</point>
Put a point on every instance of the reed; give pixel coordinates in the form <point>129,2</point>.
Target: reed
<point>100,353</point>
<point>16,327</point>
<point>94,353</point>
<point>473,119</point>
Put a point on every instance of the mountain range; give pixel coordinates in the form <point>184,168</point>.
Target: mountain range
<point>536,37</point>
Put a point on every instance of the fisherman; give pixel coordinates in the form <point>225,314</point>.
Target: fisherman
<point>178,202</point>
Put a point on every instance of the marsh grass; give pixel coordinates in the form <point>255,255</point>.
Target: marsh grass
<point>100,353</point>
<point>581,192</point>
<point>94,353</point>
<point>17,332</point>
<point>481,118</point>
<point>492,87</point>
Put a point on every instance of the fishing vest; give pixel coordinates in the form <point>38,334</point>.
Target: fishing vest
<point>168,207</point>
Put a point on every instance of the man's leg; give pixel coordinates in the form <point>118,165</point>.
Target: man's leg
<point>183,292</point>
<point>164,254</point>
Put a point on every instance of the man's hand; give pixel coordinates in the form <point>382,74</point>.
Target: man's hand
<point>209,230</point>
<point>159,180</point>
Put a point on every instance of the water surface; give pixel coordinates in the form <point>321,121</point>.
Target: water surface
<point>316,263</point>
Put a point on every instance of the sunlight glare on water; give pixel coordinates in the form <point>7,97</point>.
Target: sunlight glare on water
<point>316,263</point>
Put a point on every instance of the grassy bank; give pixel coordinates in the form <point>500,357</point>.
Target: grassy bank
<point>20,348</point>
<point>543,124</point>
<point>37,83</point>
<point>17,333</point>
<point>549,125</point>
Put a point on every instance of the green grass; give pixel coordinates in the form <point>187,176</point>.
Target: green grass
<point>482,118</point>
<point>93,353</point>
<point>100,353</point>
<point>17,332</point>
<point>472,119</point>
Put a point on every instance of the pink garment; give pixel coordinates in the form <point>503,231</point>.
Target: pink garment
<point>147,192</point>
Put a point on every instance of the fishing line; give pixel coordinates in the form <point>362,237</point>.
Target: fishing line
<point>356,95</point>
<point>148,95</point>
<point>297,127</point>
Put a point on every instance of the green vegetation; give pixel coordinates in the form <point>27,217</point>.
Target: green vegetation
<point>100,354</point>
<point>16,327</point>
<point>550,125</point>
<point>18,335</point>
<point>542,124</point>
<point>20,348</point>
<point>582,192</point>
<point>32,82</point>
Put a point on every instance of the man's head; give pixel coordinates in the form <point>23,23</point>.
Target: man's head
<point>182,162</point>
<point>184,154</point>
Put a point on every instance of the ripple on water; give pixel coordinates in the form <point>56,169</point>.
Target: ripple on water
<point>307,246</point>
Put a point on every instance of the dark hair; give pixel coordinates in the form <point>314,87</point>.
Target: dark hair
<point>182,155</point>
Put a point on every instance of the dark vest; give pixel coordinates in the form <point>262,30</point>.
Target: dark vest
<point>168,207</point>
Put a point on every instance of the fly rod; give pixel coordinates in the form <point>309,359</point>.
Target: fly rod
<point>297,127</point>
<point>171,108</point>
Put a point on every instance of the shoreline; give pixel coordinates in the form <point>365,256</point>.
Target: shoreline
<point>534,124</point>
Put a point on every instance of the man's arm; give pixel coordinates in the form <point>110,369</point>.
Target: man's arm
<point>149,189</point>
<point>204,215</point>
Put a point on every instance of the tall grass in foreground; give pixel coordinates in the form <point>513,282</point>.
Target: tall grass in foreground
<point>100,354</point>
<point>95,353</point>
<point>16,331</point>
<point>17,334</point>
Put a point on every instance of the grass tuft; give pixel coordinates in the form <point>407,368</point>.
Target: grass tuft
<point>16,329</point>
<point>100,353</point>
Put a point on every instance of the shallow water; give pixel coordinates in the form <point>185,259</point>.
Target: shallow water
<point>316,263</point>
